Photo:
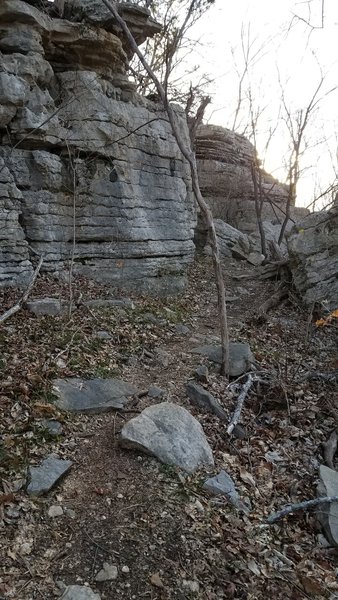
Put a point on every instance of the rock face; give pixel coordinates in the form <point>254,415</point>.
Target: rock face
<point>170,433</point>
<point>81,152</point>
<point>224,167</point>
<point>313,251</point>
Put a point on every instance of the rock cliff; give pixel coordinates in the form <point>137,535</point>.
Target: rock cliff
<point>224,166</point>
<point>88,169</point>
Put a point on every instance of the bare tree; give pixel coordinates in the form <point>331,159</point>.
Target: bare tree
<point>191,160</point>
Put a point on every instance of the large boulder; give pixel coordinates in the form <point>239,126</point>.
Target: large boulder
<point>132,205</point>
<point>170,433</point>
<point>313,251</point>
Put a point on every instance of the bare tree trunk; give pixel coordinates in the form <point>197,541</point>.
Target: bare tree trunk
<point>190,157</point>
<point>258,206</point>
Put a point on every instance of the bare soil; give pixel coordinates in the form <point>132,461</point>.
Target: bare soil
<point>168,539</point>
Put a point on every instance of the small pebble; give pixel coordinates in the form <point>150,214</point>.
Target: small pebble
<point>55,511</point>
<point>125,569</point>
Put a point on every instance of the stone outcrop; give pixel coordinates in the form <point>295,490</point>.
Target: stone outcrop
<point>84,158</point>
<point>313,251</point>
<point>224,167</point>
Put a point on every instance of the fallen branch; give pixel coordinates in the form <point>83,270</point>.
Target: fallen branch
<point>319,376</point>
<point>272,302</point>
<point>24,297</point>
<point>240,401</point>
<point>291,508</point>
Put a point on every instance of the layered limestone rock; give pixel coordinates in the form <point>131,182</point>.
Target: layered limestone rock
<point>313,251</point>
<point>224,167</point>
<point>88,169</point>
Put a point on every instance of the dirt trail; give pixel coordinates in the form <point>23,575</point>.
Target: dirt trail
<point>167,538</point>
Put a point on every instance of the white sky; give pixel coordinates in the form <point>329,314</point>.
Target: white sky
<point>296,55</point>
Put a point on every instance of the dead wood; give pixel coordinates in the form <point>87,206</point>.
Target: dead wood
<point>320,376</point>
<point>306,505</point>
<point>14,309</point>
<point>272,302</point>
<point>275,270</point>
<point>240,401</point>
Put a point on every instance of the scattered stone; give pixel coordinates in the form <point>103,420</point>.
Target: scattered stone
<point>155,392</point>
<point>44,306</point>
<point>44,477</point>
<point>53,427</point>
<point>55,511</point>
<point>110,303</point>
<point>125,569</point>
<point>241,358</point>
<point>203,399</point>
<point>92,395</point>
<point>103,335</point>
<point>170,433</point>
<point>201,373</point>
<point>239,432</point>
<point>70,513</point>
<point>223,485</point>
<point>327,514</point>
<point>107,573</point>
<point>182,329</point>
<point>163,357</point>
<point>156,580</point>
<point>255,258</point>
<point>192,586</point>
<point>79,592</point>
<point>151,318</point>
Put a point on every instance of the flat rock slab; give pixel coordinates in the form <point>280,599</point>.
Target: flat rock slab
<point>203,399</point>
<point>45,306</point>
<point>170,433</point>
<point>92,395</point>
<point>327,514</point>
<point>222,485</point>
<point>44,477</point>
<point>240,356</point>
<point>79,592</point>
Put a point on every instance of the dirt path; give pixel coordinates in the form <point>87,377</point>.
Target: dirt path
<point>166,537</point>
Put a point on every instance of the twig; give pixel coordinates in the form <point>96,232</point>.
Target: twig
<point>24,297</point>
<point>287,510</point>
<point>240,401</point>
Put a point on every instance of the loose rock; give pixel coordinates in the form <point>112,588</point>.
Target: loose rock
<point>107,573</point>
<point>53,427</point>
<point>223,485</point>
<point>44,477</point>
<point>327,514</point>
<point>201,373</point>
<point>241,358</point>
<point>203,399</point>
<point>92,395</point>
<point>44,306</point>
<point>170,433</point>
<point>155,392</point>
<point>55,511</point>
<point>79,592</point>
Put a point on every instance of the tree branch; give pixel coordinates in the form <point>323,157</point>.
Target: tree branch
<point>24,297</point>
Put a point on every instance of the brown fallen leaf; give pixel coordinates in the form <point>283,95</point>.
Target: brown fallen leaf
<point>311,586</point>
<point>156,580</point>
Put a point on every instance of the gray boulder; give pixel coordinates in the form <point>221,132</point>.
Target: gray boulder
<point>313,251</point>
<point>44,477</point>
<point>92,395</point>
<point>203,399</point>
<point>327,514</point>
<point>45,306</point>
<point>170,433</point>
<point>241,358</point>
<point>79,592</point>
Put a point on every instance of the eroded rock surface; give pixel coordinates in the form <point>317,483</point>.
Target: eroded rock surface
<point>87,148</point>
<point>170,433</point>
<point>313,251</point>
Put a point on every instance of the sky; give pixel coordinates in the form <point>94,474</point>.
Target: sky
<point>292,58</point>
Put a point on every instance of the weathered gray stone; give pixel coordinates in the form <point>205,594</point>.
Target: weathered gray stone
<point>79,592</point>
<point>313,251</point>
<point>170,433</point>
<point>53,427</point>
<point>182,329</point>
<point>201,373</point>
<point>107,573</point>
<point>135,211</point>
<point>223,485</point>
<point>55,511</point>
<point>203,399</point>
<point>45,306</point>
<point>241,358</point>
<point>327,514</point>
<point>92,395</point>
<point>44,477</point>
<point>110,302</point>
<point>155,392</point>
